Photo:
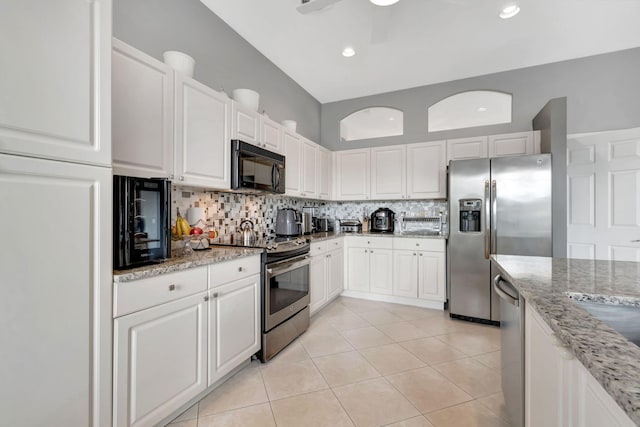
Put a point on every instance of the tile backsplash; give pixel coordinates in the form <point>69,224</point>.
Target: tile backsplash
<point>225,211</point>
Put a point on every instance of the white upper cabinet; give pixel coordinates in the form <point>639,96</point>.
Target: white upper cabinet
<point>271,135</point>
<point>353,175</point>
<point>467,148</point>
<point>56,80</point>
<point>512,144</point>
<point>309,169</point>
<point>388,172</point>
<point>246,124</point>
<point>293,159</point>
<point>202,147</point>
<point>427,170</point>
<point>142,110</point>
<point>324,174</point>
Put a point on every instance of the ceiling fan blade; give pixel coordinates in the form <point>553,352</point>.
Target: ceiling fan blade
<point>311,6</point>
<point>380,23</point>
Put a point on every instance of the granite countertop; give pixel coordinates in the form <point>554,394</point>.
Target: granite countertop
<point>195,259</point>
<point>548,283</point>
<point>318,237</point>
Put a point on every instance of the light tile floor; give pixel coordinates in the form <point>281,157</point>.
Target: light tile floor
<point>367,363</point>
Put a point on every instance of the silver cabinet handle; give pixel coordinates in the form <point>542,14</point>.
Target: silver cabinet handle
<point>366,251</point>
<point>216,295</point>
<point>172,287</point>
<point>494,224</point>
<point>370,252</point>
<point>417,244</point>
<point>240,269</point>
<point>181,178</point>
<point>635,241</point>
<point>487,244</point>
<point>414,254</point>
<point>206,297</point>
<point>420,254</point>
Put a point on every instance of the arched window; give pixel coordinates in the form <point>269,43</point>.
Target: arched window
<point>372,122</point>
<point>470,109</point>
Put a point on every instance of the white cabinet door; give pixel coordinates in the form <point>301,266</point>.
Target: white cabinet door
<point>388,172</point>
<point>353,174</point>
<point>324,173</point>
<point>405,273</point>
<point>142,114</point>
<point>317,282</point>
<point>431,276</point>
<point>246,124</point>
<point>159,360</point>
<point>335,273</point>
<point>55,319</point>
<point>358,269</point>
<point>271,135</point>
<point>381,271</point>
<point>56,80</point>
<point>427,170</point>
<point>467,148</point>
<point>309,169</point>
<point>202,143</point>
<point>234,325</point>
<point>293,165</point>
<point>511,144</point>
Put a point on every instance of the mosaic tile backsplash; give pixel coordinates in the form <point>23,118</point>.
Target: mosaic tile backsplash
<point>225,211</point>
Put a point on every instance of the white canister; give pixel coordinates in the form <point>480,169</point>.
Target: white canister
<point>180,62</point>
<point>290,124</point>
<point>247,98</point>
<point>195,215</point>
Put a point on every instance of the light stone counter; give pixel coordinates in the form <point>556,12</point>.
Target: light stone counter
<point>196,259</point>
<point>547,283</point>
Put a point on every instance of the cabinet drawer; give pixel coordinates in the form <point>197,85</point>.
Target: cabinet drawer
<point>435,245</point>
<point>318,248</point>
<point>335,244</point>
<point>140,294</point>
<point>230,271</point>
<point>372,242</point>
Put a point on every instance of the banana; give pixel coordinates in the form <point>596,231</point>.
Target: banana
<point>182,226</point>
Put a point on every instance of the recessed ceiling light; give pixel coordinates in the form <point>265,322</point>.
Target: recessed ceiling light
<point>348,52</point>
<point>384,2</point>
<point>509,11</point>
<point>482,109</point>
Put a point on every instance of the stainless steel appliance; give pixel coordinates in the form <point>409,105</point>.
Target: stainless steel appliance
<point>502,206</point>
<point>288,222</point>
<point>512,348</point>
<point>322,224</point>
<point>382,221</point>
<point>256,170</point>
<point>247,233</point>
<point>350,226</point>
<point>307,223</point>
<point>285,291</point>
<point>141,221</point>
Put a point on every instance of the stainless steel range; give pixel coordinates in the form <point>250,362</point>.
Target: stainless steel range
<point>285,291</point>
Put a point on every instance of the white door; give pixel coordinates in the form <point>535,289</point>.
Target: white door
<point>388,172</point>
<point>335,273</point>
<point>317,282</point>
<point>511,144</point>
<point>141,114</point>
<point>246,124</point>
<point>293,159</point>
<point>603,184</point>
<point>405,273</point>
<point>55,88</point>
<point>381,271</point>
<point>271,135</point>
<point>431,275</point>
<point>467,148</point>
<point>159,360</point>
<point>234,325</point>
<point>55,309</point>
<point>309,171</point>
<point>358,269</point>
<point>427,170</point>
<point>353,174</point>
<point>324,173</point>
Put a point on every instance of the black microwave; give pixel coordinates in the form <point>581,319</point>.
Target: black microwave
<point>256,170</point>
<point>141,221</point>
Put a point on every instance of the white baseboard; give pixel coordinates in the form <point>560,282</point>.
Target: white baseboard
<point>436,305</point>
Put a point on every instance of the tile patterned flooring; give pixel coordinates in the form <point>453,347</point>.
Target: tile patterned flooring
<point>366,363</point>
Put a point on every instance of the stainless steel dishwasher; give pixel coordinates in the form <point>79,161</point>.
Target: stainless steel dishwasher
<point>512,348</point>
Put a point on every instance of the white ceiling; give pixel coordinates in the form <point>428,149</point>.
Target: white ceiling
<point>426,41</point>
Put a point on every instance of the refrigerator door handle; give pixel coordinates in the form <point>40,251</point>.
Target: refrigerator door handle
<point>487,223</point>
<point>494,219</point>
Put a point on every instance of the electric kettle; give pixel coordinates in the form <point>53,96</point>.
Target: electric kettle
<point>247,233</point>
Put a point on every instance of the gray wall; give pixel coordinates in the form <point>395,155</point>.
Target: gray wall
<point>223,58</point>
<point>603,93</point>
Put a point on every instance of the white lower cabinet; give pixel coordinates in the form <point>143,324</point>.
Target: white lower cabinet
<point>419,268</point>
<point>559,391</point>
<point>326,273</point>
<point>405,274</point>
<point>159,360</point>
<point>369,265</point>
<point>169,351</point>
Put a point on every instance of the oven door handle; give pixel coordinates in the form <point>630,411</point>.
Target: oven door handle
<point>288,265</point>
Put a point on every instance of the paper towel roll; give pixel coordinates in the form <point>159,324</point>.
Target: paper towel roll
<point>194,215</point>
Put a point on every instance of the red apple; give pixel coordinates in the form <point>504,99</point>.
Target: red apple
<point>196,230</point>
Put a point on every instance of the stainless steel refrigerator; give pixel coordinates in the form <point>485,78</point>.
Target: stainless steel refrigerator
<point>496,206</point>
